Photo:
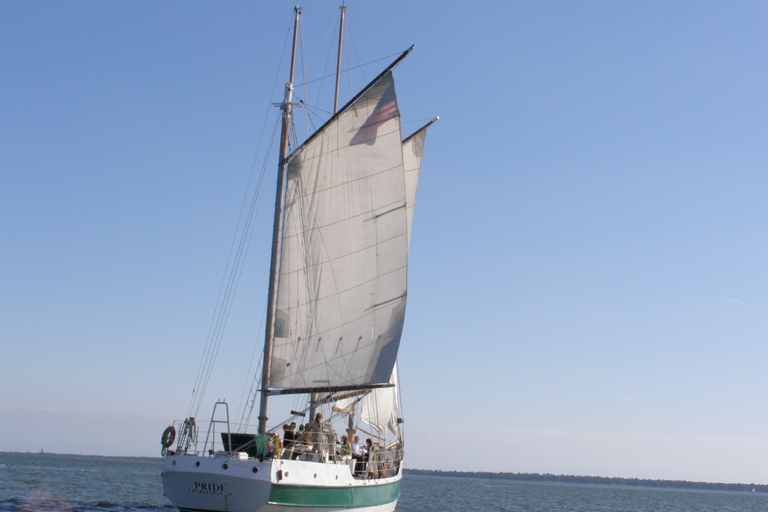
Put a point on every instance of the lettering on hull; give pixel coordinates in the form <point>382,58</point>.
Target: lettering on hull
<point>210,488</point>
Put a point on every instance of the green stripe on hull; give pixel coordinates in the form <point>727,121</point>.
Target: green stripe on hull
<point>351,496</point>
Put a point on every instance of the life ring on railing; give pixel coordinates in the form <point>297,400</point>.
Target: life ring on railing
<point>169,436</point>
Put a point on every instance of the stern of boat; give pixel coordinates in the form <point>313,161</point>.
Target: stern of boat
<point>216,484</point>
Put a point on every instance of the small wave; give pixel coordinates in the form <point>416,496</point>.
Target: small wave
<point>9,504</point>
<point>119,507</point>
<point>36,503</point>
<point>44,503</point>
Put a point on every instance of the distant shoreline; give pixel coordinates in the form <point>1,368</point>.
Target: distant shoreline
<point>594,480</point>
<point>133,457</point>
<point>522,477</point>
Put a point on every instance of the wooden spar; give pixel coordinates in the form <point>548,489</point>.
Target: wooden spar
<point>352,101</point>
<point>269,335</point>
<point>420,129</point>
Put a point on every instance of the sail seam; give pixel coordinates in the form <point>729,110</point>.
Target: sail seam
<point>315,227</point>
<point>345,255</point>
<point>314,192</point>
<point>341,291</point>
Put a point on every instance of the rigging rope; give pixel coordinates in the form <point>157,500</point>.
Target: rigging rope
<point>229,285</point>
<point>244,232</point>
<point>234,266</point>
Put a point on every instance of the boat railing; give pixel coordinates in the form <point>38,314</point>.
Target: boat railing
<point>211,435</point>
<point>221,436</point>
<point>216,431</point>
<point>377,462</point>
<point>381,460</point>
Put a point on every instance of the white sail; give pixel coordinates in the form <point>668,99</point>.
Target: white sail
<point>342,284</point>
<point>379,408</point>
<point>346,405</point>
<point>413,149</point>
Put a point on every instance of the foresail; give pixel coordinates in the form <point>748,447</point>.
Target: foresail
<point>379,408</point>
<point>342,283</point>
<point>413,148</point>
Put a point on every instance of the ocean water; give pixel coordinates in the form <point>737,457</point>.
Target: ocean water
<point>75,483</point>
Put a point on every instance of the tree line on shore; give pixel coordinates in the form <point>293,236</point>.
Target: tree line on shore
<point>594,480</point>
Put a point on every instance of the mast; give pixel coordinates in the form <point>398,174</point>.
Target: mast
<point>269,335</point>
<point>338,59</point>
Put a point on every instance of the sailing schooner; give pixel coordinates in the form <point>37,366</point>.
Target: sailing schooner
<point>336,309</point>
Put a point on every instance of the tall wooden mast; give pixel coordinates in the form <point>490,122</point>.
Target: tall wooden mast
<point>269,335</point>
<point>338,59</point>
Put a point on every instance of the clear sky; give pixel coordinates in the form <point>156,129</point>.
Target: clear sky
<point>588,285</point>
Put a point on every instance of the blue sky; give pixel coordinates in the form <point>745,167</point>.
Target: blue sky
<point>587,288</point>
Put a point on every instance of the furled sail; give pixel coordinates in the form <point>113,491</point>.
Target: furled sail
<point>342,282</point>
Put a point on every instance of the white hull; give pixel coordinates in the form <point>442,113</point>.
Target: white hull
<point>224,484</point>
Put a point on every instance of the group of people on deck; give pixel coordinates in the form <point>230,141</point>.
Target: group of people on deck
<point>319,438</point>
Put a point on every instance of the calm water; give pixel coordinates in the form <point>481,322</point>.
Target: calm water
<point>73,483</point>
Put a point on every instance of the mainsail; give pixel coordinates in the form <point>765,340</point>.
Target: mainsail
<point>343,263</point>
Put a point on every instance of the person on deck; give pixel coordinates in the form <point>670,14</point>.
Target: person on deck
<point>345,449</point>
<point>317,427</point>
<point>357,454</point>
<point>318,437</point>
<point>275,445</point>
<point>306,439</point>
<point>288,437</point>
<point>368,454</point>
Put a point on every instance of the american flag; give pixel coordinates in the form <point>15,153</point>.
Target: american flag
<point>385,109</point>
